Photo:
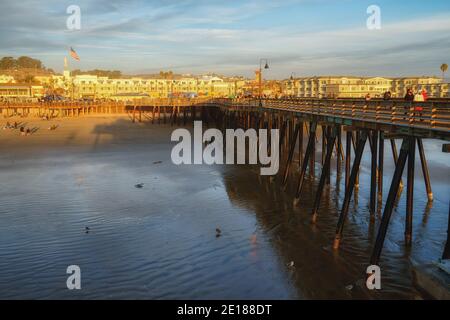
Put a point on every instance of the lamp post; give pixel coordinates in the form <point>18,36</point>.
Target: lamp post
<point>266,66</point>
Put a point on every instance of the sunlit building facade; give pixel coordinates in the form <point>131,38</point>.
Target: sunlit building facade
<point>91,86</point>
<point>358,87</point>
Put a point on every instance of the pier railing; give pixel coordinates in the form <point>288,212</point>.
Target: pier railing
<point>434,115</point>
<point>427,115</point>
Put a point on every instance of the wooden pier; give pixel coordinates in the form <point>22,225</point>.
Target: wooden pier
<point>360,122</point>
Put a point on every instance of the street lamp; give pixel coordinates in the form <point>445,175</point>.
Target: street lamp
<point>266,66</point>
<point>292,82</point>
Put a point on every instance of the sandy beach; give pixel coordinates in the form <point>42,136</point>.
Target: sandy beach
<point>88,131</point>
<point>158,242</point>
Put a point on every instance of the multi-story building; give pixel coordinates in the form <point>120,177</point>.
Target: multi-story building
<point>358,87</point>
<point>433,85</point>
<point>96,87</point>
<point>91,86</point>
<point>20,91</point>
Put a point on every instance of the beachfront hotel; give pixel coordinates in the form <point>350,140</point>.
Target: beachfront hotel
<point>122,89</point>
<point>97,87</point>
<point>357,87</point>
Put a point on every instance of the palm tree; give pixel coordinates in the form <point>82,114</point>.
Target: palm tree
<point>444,68</point>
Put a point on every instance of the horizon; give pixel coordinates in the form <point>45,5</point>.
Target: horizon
<point>305,37</point>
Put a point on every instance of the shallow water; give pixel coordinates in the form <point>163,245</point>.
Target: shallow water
<point>159,242</point>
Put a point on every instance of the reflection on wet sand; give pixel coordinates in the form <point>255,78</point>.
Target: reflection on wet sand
<point>320,271</point>
<point>160,241</point>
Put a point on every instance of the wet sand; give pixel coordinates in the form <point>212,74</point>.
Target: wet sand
<point>160,241</point>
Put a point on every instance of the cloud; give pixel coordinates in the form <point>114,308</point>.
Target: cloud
<point>228,37</point>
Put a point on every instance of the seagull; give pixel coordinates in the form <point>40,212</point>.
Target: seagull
<point>87,229</point>
<point>139,185</point>
<point>218,232</point>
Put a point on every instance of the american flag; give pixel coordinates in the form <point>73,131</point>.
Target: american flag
<point>74,54</point>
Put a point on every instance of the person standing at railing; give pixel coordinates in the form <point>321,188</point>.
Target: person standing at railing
<point>387,96</point>
<point>420,97</point>
<point>425,94</point>
<point>409,97</point>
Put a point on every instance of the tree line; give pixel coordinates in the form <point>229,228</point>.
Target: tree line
<point>113,74</point>
<point>10,63</point>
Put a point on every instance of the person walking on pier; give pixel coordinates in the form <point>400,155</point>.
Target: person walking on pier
<point>387,96</point>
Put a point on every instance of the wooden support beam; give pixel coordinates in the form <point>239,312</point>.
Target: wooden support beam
<point>348,156</point>
<point>339,151</point>
<point>446,253</point>
<point>356,138</point>
<point>426,175</point>
<point>328,164</point>
<point>446,148</point>
<point>282,134</point>
<point>324,142</point>
<point>380,165</point>
<point>312,158</point>
<point>308,152</point>
<point>291,154</point>
<point>410,191</point>
<point>351,186</point>
<point>390,202</point>
<point>331,137</point>
<point>373,173</point>
<point>300,144</point>
<point>395,155</point>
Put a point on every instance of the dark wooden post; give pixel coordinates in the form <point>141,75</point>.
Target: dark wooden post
<point>348,156</point>
<point>395,155</point>
<point>446,253</point>
<point>351,185</point>
<point>380,165</point>
<point>331,137</point>
<point>373,173</point>
<point>308,153</point>
<point>426,175</point>
<point>312,158</point>
<point>410,191</point>
<point>291,154</point>
<point>393,191</point>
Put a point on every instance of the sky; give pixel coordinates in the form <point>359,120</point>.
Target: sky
<point>299,37</point>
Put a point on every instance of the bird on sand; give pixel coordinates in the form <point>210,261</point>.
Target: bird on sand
<point>139,185</point>
<point>218,232</point>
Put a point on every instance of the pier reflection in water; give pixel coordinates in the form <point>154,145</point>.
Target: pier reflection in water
<point>160,241</point>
